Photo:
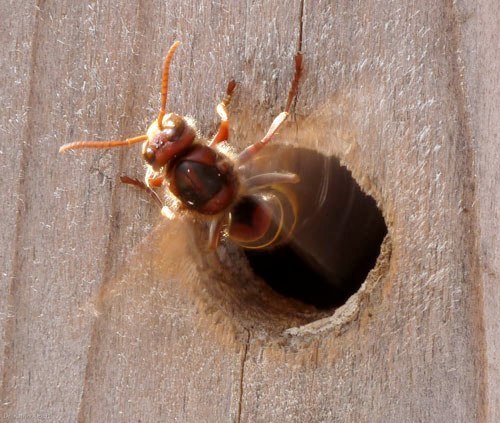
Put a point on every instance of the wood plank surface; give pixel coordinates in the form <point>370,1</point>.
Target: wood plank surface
<point>110,313</point>
<point>481,67</point>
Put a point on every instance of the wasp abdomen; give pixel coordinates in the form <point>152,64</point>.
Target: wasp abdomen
<point>263,220</point>
<point>250,219</point>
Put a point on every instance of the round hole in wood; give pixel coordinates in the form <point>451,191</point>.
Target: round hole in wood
<point>340,236</point>
<point>336,242</point>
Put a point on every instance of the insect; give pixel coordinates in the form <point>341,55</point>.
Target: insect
<point>201,176</point>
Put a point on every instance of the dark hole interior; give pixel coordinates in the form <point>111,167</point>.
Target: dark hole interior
<point>337,238</point>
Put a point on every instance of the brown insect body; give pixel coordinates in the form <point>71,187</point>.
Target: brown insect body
<point>263,219</point>
<point>201,178</point>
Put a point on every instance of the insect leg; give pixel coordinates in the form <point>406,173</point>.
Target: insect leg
<point>153,179</point>
<point>265,180</point>
<point>223,131</point>
<point>139,184</point>
<point>214,232</point>
<point>249,152</point>
<point>167,212</point>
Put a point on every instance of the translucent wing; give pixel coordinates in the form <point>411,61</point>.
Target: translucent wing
<point>339,228</point>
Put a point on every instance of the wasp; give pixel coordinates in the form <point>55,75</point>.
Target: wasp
<point>201,176</point>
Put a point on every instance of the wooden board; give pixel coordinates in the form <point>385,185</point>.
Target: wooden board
<point>104,318</point>
<point>481,67</point>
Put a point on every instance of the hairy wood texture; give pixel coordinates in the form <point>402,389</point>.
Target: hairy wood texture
<point>102,322</point>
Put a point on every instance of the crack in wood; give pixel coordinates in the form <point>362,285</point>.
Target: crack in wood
<point>242,375</point>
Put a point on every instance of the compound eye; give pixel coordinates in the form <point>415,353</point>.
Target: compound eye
<point>174,128</point>
<point>174,138</point>
<point>149,155</point>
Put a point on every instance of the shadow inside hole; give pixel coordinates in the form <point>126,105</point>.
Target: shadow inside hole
<point>337,238</point>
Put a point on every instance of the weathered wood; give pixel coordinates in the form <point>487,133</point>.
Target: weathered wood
<point>105,319</point>
<point>481,68</point>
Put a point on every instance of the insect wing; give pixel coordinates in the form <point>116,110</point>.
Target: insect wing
<point>334,217</point>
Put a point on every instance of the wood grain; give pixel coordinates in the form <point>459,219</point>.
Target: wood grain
<point>481,66</point>
<point>104,318</point>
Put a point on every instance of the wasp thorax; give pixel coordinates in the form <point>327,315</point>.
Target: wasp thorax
<point>167,143</point>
